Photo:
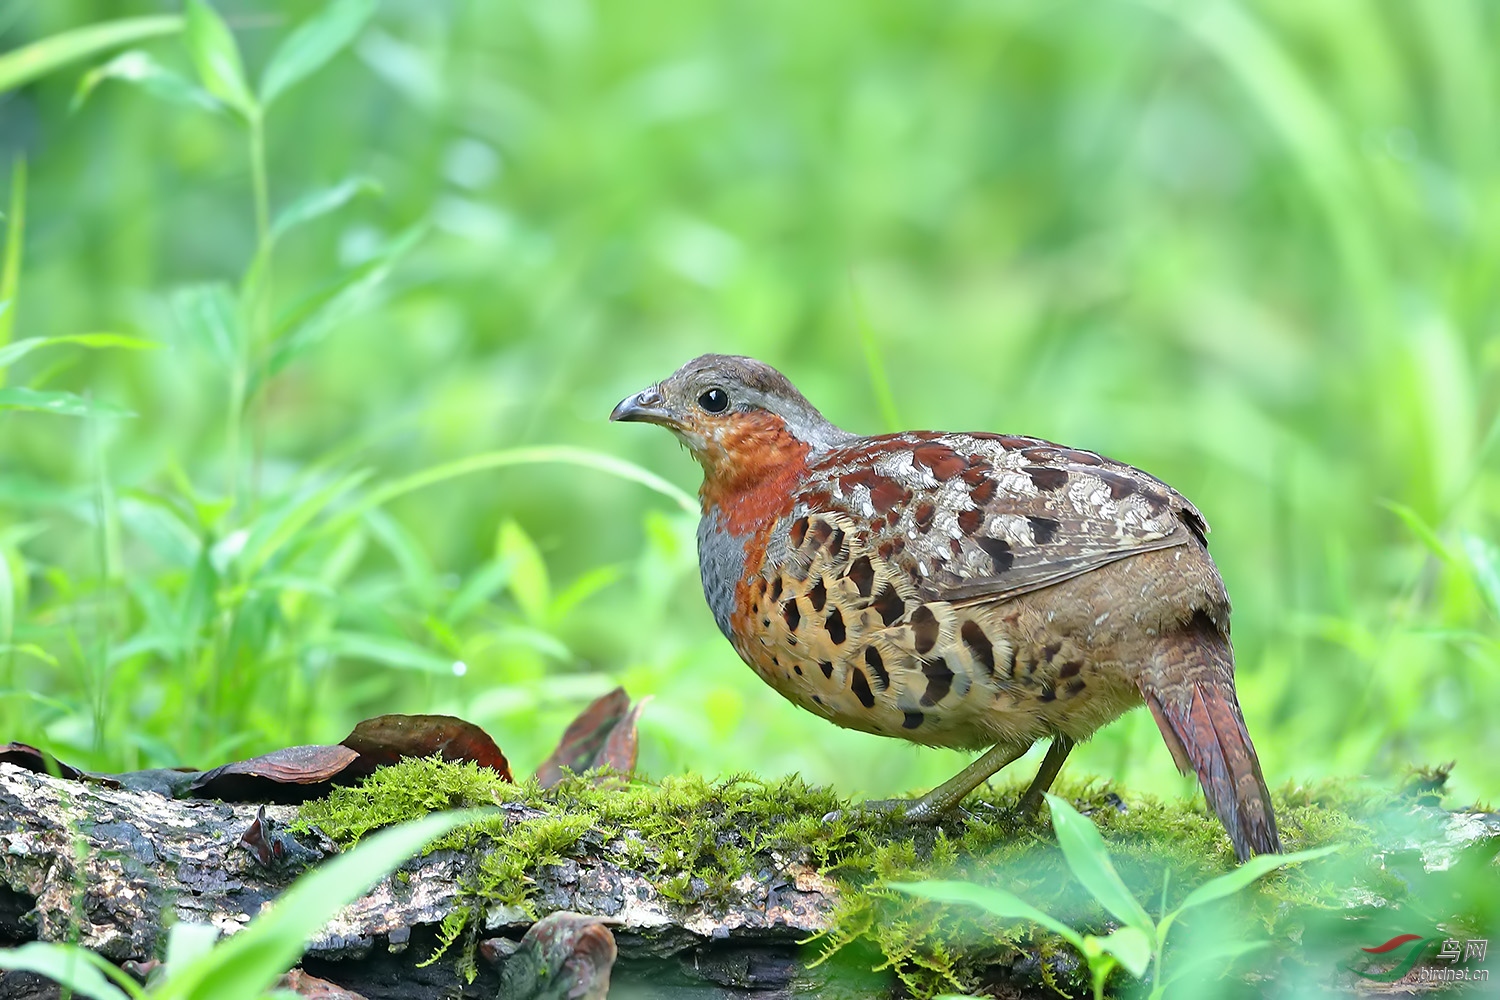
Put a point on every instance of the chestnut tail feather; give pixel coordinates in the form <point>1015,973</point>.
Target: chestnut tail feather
<point>1190,691</point>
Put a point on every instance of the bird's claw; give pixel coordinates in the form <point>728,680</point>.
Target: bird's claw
<point>902,810</point>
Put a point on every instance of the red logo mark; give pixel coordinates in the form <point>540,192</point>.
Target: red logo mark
<point>1392,944</point>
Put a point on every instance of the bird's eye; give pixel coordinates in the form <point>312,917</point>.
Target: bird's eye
<point>714,401</point>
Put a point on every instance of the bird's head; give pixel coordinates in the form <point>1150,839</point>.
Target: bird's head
<point>741,419</point>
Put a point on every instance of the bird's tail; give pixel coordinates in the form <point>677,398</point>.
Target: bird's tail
<point>1189,688</point>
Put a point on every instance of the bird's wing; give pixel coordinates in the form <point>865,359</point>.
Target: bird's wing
<point>970,518</point>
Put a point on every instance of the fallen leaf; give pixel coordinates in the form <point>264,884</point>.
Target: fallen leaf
<point>273,846</point>
<point>295,774</point>
<point>620,749</point>
<point>304,985</point>
<point>586,738</point>
<point>387,738</point>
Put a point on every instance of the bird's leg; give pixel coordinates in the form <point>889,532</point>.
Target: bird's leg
<point>951,792</point>
<point>1051,764</point>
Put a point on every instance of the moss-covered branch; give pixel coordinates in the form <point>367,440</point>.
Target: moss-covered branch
<point>725,880</point>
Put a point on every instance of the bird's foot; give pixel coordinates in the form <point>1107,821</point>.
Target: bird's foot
<point>1029,805</point>
<point>919,810</point>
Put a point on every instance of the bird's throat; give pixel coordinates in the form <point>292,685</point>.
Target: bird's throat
<point>752,471</point>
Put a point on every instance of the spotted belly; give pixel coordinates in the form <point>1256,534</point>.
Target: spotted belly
<point>844,635</point>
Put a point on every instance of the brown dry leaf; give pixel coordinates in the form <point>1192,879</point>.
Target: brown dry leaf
<point>620,749</point>
<point>273,846</point>
<point>387,738</point>
<point>304,985</point>
<point>585,737</point>
<point>603,735</point>
<point>295,774</point>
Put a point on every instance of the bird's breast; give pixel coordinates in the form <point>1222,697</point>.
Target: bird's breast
<point>721,565</point>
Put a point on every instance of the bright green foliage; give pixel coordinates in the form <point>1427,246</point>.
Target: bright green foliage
<point>1141,941</point>
<point>681,827</point>
<point>315,42</point>
<point>29,62</point>
<point>1249,246</point>
<point>248,963</point>
<point>217,58</point>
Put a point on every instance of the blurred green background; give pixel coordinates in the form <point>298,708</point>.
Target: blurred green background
<point>1251,248</point>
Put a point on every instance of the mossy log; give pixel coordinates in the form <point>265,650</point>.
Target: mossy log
<point>112,868</point>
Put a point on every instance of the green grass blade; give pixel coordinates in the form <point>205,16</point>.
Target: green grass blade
<point>94,341</point>
<point>312,320</point>
<point>7,603</point>
<point>25,64</point>
<point>1217,957</point>
<point>64,404</point>
<point>187,942</point>
<point>543,454</point>
<point>387,651</point>
<point>208,313</point>
<point>995,901</point>
<point>581,589</point>
<point>1425,533</point>
<point>285,523</point>
<point>1484,560</point>
<point>40,654</point>
<point>314,42</point>
<point>1307,124</point>
<point>10,273</point>
<point>1089,860</point>
<point>879,381</point>
<point>1232,882</point>
<point>73,967</point>
<point>317,204</point>
<point>481,585</point>
<point>1131,946</point>
<point>139,68</point>
<point>529,584</point>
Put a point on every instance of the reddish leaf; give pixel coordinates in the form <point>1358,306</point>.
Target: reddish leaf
<point>304,985</point>
<point>257,841</point>
<point>603,735</point>
<point>295,774</point>
<point>585,737</point>
<point>388,738</point>
<point>273,846</point>
<point>619,750</point>
<point>141,970</point>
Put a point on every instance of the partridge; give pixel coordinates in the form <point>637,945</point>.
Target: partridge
<point>968,590</point>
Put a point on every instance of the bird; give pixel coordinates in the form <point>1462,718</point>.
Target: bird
<point>978,591</point>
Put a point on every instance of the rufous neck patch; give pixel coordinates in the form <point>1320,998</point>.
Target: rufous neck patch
<point>754,471</point>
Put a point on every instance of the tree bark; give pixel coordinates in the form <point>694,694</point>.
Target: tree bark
<point>148,860</point>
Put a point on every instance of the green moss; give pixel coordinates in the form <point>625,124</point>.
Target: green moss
<point>695,837</point>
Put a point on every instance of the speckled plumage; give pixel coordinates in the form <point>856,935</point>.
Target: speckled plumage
<point>964,590</point>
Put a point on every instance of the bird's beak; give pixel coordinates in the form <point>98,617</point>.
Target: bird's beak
<point>646,406</point>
